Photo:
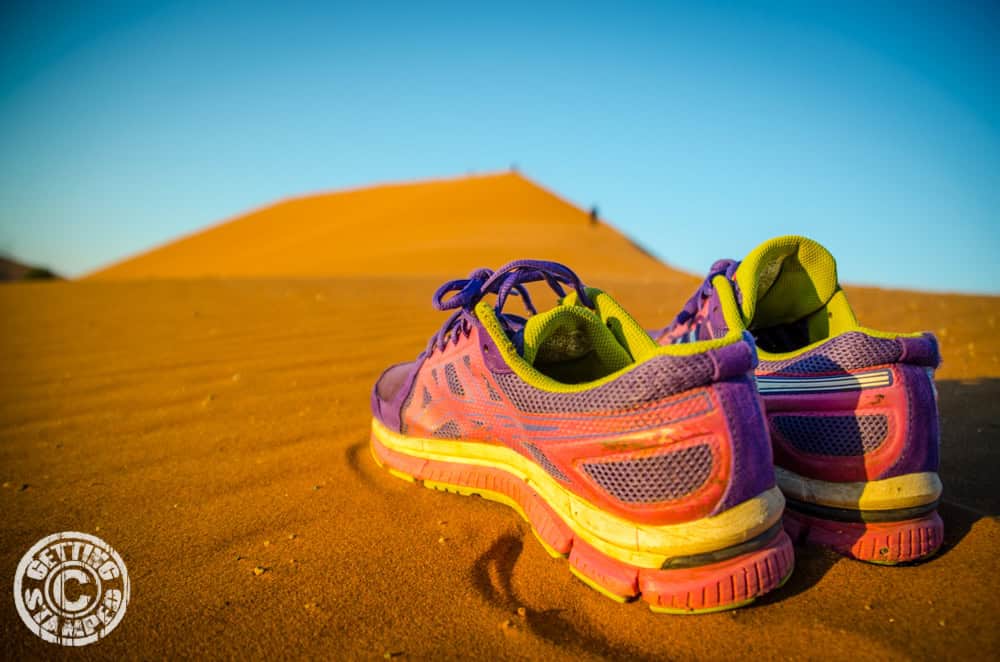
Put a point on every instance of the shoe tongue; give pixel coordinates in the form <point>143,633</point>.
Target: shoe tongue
<point>572,342</point>
<point>785,280</point>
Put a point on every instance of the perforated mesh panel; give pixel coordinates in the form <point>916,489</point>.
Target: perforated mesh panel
<point>426,397</point>
<point>542,459</point>
<point>839,436</point>
<point>655,478</point>
<point>449,430</point>
<point>492,391</point>
<point>454,385</point>
<point>851,351</point>
<point>657,378</point>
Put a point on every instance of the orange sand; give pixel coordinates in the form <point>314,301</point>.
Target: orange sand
<point>206,427</point>
<point>444,227</point>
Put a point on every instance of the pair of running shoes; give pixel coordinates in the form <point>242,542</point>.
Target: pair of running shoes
<point>677,465</point>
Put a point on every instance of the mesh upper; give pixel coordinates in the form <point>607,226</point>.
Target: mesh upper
<point>840,436</point>
<point>449,430</point>
<point>543,459</point>
<point>453,383</point>
<point>850,351</point>
<point>438,411</point>
<point>656,478</point>
<point>494,396</point>
<point>655,379</point>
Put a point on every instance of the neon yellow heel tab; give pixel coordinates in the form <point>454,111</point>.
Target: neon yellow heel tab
<point>785,279</point>
<point>543,326</point>
<point>624,327</point>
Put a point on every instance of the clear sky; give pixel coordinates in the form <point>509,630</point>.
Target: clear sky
<point>698,128</point>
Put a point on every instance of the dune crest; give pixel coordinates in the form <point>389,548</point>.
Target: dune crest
<point>440,227</point>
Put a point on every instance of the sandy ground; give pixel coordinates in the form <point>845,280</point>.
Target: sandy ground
<point>206,428</point>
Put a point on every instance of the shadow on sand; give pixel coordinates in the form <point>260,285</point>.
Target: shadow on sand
<point>492,576</point>
<point>970,456</point>
<point>357,453</point>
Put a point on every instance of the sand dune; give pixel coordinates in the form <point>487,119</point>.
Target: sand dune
<point>439,227</point>
<point>208,427</point>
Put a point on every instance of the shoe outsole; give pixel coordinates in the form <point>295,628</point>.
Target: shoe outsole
<point>720,586</point>
<point>881,543</point>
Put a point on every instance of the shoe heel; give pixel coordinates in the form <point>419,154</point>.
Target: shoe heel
<point>882,543</point>
<point>720,586</point>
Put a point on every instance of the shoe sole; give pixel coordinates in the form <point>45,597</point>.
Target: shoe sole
<point>885,522</point>
<point>881,542</point>
<point>743,572</point>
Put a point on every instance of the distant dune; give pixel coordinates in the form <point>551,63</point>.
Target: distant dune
<point>11,269</point>
<point>443,227</point>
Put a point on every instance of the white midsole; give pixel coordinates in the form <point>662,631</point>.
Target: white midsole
<point>642,545</point>
<point>906,491</point>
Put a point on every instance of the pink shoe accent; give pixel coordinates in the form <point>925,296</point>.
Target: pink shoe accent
<point>570,439</point>
<point>720,585</point>
<point>884,543</point>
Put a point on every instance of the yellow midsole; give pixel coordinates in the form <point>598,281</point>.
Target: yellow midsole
<point>641,545</point>
<point>906,491</point>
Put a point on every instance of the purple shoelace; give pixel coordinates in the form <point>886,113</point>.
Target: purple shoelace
<point>508,280</point>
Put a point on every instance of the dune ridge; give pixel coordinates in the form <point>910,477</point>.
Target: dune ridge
<point>447,226</point>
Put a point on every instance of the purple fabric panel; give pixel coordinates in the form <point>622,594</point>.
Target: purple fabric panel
<point>853,350</point>
<point>734,360</point>
<point>702,309</point>
<point>753,463</point>
<point>388,398</point>
<point>491,354</point>
<point>716,320</point>
<point>654,379</point>
<point>393,379</point>
<point>922,449</point>
<point>921,351</point>
<point>376,404</point>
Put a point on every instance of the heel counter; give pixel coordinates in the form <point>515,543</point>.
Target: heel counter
<point>920,357</point>
<point>920,447</point>
<point>674,461</point>
<point>751,455</point>
<point>872,424</point>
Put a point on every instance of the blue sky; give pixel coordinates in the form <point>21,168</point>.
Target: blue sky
<point>699,128</point>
